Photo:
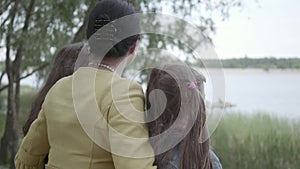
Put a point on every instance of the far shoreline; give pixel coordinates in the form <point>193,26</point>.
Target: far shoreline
<point>251,70</point>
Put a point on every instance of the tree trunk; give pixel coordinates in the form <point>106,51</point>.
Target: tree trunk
<point>80,34</point>
<point>13,70</point>
<point>14,97</point>
<point>9,132</point>
<point>12,123</point>
<point>10,137</point>
<point>17,76</point>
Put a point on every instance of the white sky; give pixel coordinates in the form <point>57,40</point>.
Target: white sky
<point>263,29</point>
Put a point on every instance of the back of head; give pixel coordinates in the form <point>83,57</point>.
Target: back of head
<point>200,79</point>
<point>106,12</point>
<point>64,62</point>
<point>173,81</point>
<point>184,109</point>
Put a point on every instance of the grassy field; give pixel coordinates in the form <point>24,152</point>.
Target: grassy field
<point>257,142</point>
<point>248,142</point>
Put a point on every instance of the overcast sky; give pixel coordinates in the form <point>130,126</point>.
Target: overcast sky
<point>260,29</point>
<point>264,29</point>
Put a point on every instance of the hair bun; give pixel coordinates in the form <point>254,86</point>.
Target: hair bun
<point>103,31</point>
<point>107,32</point>
<point>100,21</point>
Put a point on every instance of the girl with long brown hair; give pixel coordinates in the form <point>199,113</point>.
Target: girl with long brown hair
<point>175,104</point>
<point>63,66</point>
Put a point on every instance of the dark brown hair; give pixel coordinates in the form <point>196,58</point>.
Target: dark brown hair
<point>63,66</point>
<point>106,11</point>
<point>174,81</point>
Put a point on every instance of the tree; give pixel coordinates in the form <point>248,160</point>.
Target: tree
<point>31,32</point>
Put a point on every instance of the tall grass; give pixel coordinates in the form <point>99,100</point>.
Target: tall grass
<point>257,142</point>
<point>240,141</point>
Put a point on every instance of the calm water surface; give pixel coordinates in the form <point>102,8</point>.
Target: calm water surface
<point>253,90</point>
<point>274,92</point>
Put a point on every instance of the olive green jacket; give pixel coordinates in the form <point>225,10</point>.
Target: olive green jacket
<point>90,120</point>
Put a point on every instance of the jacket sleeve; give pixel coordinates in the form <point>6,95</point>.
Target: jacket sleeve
<point>128,135</point>
<point>35,145</point>
<point>216,164</point>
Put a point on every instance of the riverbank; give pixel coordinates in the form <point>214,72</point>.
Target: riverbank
<point>250,71</point>
<point>255,70</point>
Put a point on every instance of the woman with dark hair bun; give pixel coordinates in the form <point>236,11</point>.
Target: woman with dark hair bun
<point>84,121</point>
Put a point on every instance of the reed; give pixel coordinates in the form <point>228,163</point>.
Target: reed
<point>256,142</point>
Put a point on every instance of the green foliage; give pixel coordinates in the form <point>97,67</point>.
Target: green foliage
<point>27,97</point>
<point>257,142</point>
<point>2,103</point>
<point>2,123</point>
<point>51,25</point>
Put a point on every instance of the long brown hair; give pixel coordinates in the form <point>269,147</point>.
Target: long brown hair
<point>63,66</point>
<point>184,101</point>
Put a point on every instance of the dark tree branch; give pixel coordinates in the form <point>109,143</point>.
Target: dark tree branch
<point>27,75</point>
<point>29,12</point>
<point>34,71</point>
<point>1,76</point>
<point>4,21</point>
<point>12,12</point>
<point>80,34</point>
<point>19,55</point>
<point>4,7</point>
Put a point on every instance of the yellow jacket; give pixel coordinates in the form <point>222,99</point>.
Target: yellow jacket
<point>90,120</point>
